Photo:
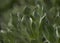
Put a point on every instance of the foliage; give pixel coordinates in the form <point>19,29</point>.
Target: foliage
<point>29,21</point>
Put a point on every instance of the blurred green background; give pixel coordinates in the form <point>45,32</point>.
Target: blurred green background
<point>29,21</point>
